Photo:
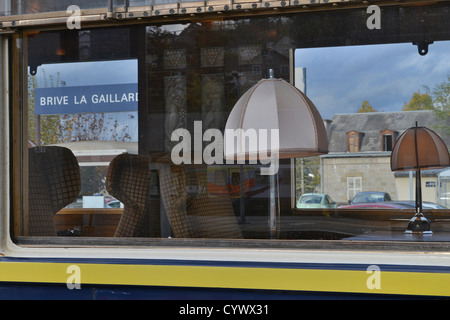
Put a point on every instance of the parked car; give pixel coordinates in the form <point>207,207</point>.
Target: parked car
<point>315,200</point>
<point>407,204</point>
<point>376,205</point>
<point>370,197</point>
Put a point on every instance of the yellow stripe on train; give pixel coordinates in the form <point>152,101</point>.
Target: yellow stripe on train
<point>345,281</point>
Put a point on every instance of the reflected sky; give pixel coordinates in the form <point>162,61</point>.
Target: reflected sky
<point>339,79</point>
<point>89,73</point>
<point>96,73</point>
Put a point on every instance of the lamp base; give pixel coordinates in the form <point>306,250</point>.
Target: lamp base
<point>419,225</point>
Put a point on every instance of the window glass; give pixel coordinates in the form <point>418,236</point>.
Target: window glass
<point>387,142</point>
<point>142,112</point>
<point>377,99</point>
<point>82,112</point>
<point>89,108</point>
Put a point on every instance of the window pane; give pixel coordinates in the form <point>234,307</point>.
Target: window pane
<point>81,114</point>
<point>151,160</point>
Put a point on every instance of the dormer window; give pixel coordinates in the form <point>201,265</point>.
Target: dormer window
<point>353,141</point>
<point>387,140</point>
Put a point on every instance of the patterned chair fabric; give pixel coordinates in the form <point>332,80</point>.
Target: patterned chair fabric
<point>129,180</point>
<point>54,182</point>
<point>191,212</point>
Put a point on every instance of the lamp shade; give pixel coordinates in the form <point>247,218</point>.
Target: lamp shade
<point>416,149</point>
<point>419,148</point>
<point>276,104</point>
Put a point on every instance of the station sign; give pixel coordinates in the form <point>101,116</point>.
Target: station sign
<point>82,99</point>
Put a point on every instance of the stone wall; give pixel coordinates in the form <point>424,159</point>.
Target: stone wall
<point>373,168</point>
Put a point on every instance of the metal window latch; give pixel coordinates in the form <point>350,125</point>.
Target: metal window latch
<point>422,46</point>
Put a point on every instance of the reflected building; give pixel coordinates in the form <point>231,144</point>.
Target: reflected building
<point>360,147</point>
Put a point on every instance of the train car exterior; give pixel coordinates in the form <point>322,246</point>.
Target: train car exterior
<point>111,190</point>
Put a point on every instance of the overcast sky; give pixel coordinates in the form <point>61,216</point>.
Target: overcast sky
<point>339,79</point>
<point>91,73</point>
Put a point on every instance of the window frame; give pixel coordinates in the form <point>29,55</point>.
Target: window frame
<point>353,189</point>
<point>353,141</point>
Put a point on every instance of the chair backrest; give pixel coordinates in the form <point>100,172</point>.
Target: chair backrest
<point>53,183</point>
<point>191,214</point>
<point>129,180</point>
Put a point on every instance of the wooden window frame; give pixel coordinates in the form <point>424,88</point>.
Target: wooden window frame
<point>353,146</point>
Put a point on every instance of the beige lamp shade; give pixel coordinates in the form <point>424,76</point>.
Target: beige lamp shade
<point>276,104</point>
<point>419,148</point>
<point>274,108</point>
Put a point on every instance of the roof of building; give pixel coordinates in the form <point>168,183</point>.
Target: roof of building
<point>370,125</point>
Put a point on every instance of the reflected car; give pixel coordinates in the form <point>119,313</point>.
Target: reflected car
<point>378,205</point>
<point>315,200</point>
<point>370,197</point>
<point>407,204</point>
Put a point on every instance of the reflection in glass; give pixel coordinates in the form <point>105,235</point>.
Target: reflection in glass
<point>196,72</point>
<point>89,109</point>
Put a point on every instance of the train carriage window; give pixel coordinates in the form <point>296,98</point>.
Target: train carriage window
<point>89,109</point>
<point>125,128</point>
<point>82,112</point>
